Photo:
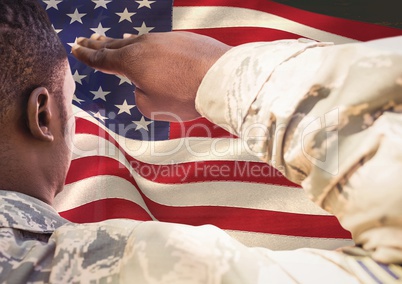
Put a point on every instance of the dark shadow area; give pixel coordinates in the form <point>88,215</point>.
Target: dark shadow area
<point>382,12</point>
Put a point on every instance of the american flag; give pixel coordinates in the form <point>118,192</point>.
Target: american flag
<point>128,166</point>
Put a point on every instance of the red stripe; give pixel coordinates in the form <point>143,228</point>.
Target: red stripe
<point>105,209</point>
<point>241,219</point>
<point>205,171</point>
<point>99,165</point>
<point>83,126</point>
<point>347,28</point>
<point>190,172</point>
<point>240,35</point>
<point>209,171</point>
<point>253,220</point>
<point>231,218</point>
<point>197,128</point>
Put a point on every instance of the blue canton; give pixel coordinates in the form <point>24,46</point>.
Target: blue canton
<point>109,98</point>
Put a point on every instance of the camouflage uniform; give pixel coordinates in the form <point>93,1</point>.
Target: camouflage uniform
<point>329,118</point>
<point>271,93</point>
<point>37,245</point>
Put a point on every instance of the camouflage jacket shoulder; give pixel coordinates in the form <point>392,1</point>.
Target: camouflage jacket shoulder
<point>20,211</point>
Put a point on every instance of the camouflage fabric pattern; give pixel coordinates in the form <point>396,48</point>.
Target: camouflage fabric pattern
<point>37,245</point>
<point>329,118</point>
<point>342,102</point>
<point>126,251</point>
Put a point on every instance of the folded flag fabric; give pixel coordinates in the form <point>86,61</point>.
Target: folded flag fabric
<point>128,166</point>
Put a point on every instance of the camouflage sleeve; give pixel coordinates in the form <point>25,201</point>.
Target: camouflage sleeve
<point>328,117</point>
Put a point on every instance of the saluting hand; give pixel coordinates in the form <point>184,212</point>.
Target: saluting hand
<point>167,68</point>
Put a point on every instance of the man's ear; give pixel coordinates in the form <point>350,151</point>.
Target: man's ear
<point>39,114</point>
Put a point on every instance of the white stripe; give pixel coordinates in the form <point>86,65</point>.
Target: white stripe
<point>161,152</point>
<point>86,145</point>
<point>96,188</point>
<point>236,194</point>
<point>225,17</point>
<point>91,189</point>
<point>283,242</point>
<point>231,194</point>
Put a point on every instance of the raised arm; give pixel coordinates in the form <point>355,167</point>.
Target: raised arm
<point>326,116</point>
<point>166,68</point>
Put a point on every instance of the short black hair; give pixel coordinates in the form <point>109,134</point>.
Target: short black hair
<point>31,56</point>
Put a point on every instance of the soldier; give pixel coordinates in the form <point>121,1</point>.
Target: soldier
<point>333,129</point>
<point>36,88</point>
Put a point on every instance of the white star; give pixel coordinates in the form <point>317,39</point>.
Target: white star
<point>142,124</point>
<point>143,29</point>
<point>76,16</point>
<point>100,94</point>
<point>99,116</point>
<point>101,3</point>
<point>145,3</point>
<point>100,30</point>
<point>123,80</point>
<point>77,77</point>
<point>77,99</point>
<point>72,43</point>
<point>52,4</point>
<point>56,30</point>
<point>125,107</point>
<point>125,15</point>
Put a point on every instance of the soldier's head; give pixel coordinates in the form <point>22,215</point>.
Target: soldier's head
<point>36,89</point>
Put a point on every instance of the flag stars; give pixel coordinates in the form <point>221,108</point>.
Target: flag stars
<point>125,108</point>
<point>123,80</point>
<point>76,99</point>
<point>142,124</point>
<point>76,16</point>
<point>101,3</point>
<point>52,4</point>
<point>100,30</point>
<point>78,78</point>
<point>71,44</point>
<point>125,16</point>
<point>99,116</point>
<point>56,30</point>
<point>143,29</point>
<point>145,3</point>
<point>100,94</point>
